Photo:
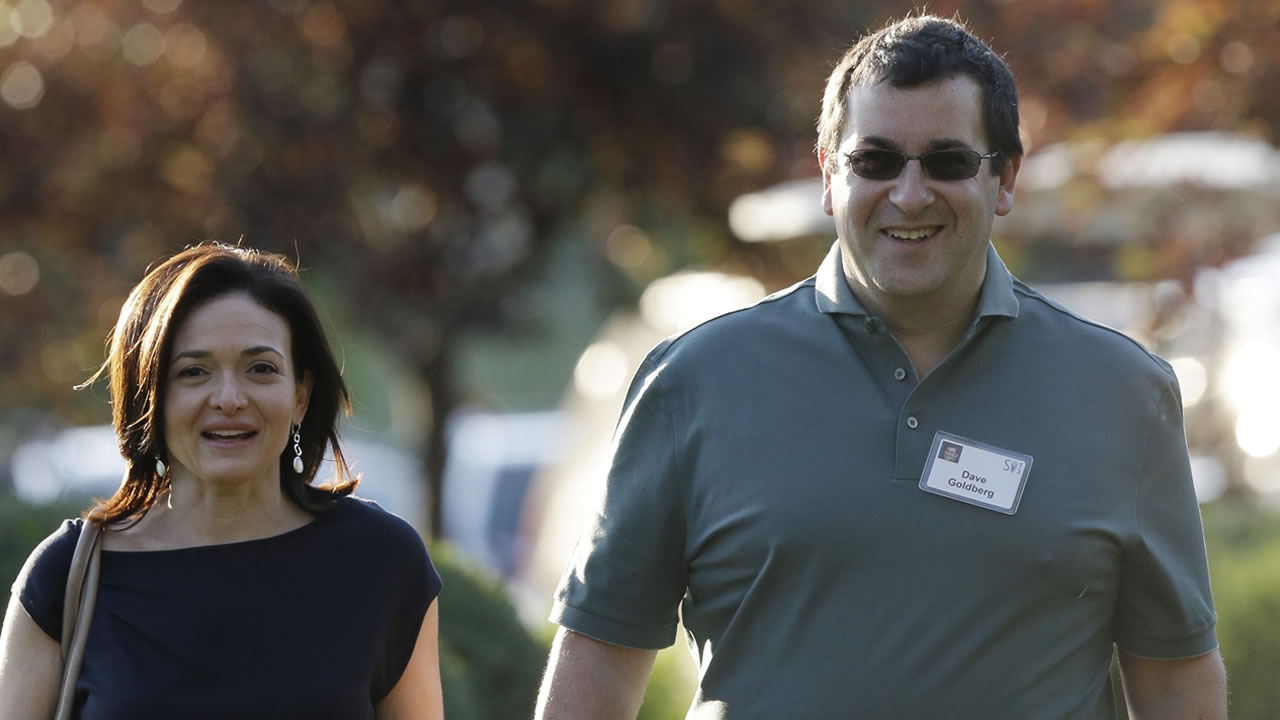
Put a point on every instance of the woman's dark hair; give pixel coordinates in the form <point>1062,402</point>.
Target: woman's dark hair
<point>138,352</point>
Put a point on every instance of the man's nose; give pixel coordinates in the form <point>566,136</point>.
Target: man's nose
<point>911,190</point>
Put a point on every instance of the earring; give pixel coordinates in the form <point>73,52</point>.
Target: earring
<point>298,467</point>
<point>161,469</point>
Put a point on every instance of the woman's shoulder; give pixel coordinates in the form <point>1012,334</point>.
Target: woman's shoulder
<point>42,581</point>
<point>365,517</point>
<point>53,555</point>
<point>383,539</point>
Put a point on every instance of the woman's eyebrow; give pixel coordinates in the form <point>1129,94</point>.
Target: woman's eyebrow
<point>201,354</point>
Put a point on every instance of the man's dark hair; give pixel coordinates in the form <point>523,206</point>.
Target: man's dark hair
<point>914,51</point>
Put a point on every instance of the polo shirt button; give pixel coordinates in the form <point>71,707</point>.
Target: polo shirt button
<point>912,422</point>
<point>899,374</point>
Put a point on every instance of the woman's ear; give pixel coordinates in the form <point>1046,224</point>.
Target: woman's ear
<point>301,397</point>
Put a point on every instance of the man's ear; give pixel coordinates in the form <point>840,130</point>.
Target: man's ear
<point>1008,178</point>
<point>826,182</point>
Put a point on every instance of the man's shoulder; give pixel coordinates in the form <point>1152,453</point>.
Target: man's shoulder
<point>1083,338</point>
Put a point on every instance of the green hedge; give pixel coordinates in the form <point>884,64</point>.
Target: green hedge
<point>22,527</point>
<point>671,686</point>
<point>490,663</point>
<point>1244,565</point>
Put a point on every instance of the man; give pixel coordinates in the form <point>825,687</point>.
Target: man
<point>777,475</point>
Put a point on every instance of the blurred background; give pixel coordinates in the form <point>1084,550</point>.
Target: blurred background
<point>500,206</point>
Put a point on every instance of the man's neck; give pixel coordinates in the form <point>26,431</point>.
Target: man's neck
<point>927,328</point>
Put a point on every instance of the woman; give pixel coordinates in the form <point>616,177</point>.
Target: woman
<point>230,585</point>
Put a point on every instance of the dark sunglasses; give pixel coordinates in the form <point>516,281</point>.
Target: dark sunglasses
<point>951,164</point>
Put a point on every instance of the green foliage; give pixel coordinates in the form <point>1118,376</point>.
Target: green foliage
<point>490,662</point>
<point>22,527</point>
<point>1244,562</point>
<point>671,685</point>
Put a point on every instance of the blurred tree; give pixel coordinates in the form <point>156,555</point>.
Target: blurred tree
<point>425,154</point>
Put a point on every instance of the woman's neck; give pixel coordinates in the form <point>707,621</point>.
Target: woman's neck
<point>195,513</point>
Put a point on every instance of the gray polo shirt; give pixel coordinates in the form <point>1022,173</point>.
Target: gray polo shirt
<point>764,485</point>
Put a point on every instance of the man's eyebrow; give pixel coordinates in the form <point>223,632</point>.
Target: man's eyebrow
<point>947,144</point>
<point>247,352</point>
<point>939,144</point>
<point>878,142</point>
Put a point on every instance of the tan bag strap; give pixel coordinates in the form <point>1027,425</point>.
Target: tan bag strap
<point>77,611</point>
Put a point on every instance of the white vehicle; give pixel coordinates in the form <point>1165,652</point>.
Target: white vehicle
<point>82,463</point>
<point>1248,381</point>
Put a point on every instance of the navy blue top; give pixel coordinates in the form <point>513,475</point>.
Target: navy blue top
<point>319,622</point>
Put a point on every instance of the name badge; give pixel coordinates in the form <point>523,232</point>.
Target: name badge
<point>975,473</point>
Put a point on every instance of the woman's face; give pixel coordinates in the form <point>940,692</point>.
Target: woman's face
<point>230,395</point>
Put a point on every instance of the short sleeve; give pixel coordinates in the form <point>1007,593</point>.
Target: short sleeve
<point>42,582</point>
<point>628,572</point>
<point>414,585</point>
<point>1165,607</point>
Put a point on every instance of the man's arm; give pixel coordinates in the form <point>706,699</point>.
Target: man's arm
<point>592,680</point>
<point>1187,689</point>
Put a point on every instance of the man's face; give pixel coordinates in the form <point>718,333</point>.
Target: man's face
<point>914,237</point>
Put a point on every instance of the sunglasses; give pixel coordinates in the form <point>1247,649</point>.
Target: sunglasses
<point>951,164</point>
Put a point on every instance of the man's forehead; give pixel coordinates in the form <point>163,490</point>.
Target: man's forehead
<point>935,115</point>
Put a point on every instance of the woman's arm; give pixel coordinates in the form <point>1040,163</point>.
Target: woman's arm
<point>30,667</point>
<point>416,695</point>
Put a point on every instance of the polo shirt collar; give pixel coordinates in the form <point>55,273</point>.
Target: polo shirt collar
<point>834,296</point>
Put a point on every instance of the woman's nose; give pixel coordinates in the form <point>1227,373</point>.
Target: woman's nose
<point>227,395</point>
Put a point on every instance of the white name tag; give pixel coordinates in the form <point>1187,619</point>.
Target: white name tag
<point>975,473</point>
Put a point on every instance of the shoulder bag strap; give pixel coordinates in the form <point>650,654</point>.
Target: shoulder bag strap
<point>77,611</point>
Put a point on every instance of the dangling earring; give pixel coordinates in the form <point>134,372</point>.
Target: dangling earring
<point>298,467</point>
<point>161,470</point>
